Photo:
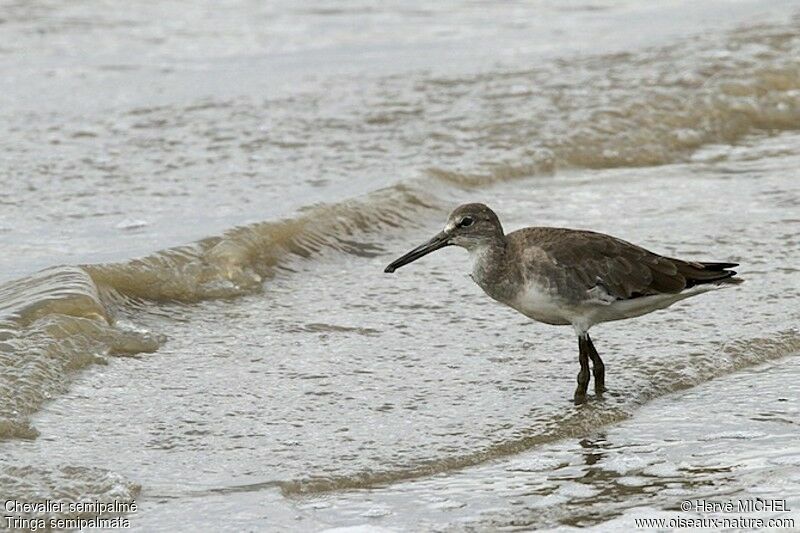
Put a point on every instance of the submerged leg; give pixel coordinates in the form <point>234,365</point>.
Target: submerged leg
<point>583,375</point>
<point>598,368</point>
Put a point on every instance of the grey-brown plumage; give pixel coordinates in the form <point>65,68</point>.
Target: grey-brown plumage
<point>570,277</point>
<point>577,260</point>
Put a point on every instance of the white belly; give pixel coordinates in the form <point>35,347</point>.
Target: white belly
<point>543,306</point>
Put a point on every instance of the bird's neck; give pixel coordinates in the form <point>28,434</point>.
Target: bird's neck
<point>490,269</point>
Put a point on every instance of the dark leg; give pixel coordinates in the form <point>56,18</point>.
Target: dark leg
<point>598,368</point>
<point>583,375</point>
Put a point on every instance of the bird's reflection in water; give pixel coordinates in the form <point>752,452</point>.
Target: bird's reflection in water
<point>605,479</point>
<point>593,449</point>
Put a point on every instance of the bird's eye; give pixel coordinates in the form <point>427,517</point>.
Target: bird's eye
<point>465,222</point>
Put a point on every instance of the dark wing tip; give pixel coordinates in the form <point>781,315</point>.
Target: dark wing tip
<point>715,273</point>
<point>389,269</point>
<point>719,266</point>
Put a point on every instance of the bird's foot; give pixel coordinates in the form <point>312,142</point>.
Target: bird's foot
<point>581,397</point>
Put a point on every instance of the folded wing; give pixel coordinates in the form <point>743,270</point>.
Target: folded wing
<point>623,270</point>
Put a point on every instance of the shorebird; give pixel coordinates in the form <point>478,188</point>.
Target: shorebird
<point>571,277</point>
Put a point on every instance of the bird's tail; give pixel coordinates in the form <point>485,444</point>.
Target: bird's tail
<point>700,273</point>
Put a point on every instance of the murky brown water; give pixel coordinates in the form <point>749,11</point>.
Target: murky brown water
<point>267,375</point>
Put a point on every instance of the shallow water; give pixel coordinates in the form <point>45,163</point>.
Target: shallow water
<point>268,375</point>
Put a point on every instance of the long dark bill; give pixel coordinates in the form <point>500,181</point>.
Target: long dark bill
<point>439,241</point>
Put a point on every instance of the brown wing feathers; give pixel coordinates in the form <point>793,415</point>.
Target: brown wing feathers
<point>623,269</point>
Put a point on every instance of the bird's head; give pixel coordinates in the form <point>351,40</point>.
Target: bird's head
<point>471,226</point>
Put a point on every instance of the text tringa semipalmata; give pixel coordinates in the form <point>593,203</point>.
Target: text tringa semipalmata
<point>570,277</point>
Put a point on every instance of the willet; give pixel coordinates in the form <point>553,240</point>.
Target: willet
<point>570,277</point>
